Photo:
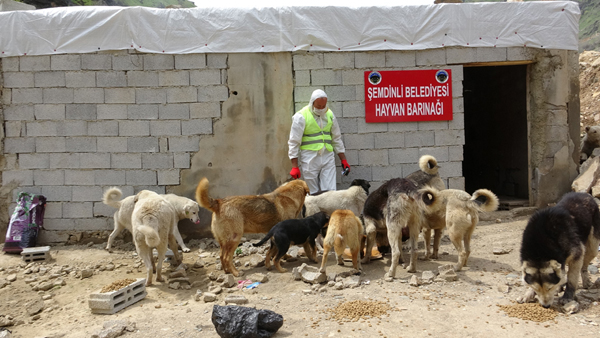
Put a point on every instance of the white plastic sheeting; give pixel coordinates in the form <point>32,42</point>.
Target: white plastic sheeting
<point>543,24</point>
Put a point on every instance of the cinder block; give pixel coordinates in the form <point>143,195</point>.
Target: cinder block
<point>389,140</point>
<point>182,94</point>
<point>103,128</point>
<point>163,144</point>
<point>142,79</point>
<point>184,143</point>
<point>364,128</point>
<point>10,64</point>
<point>78,209</point>
<point>158,61</point>
<point>308,61</point>
<point>34,161</point>
<point>216,60</point>
<point>94,160</point>
<point>458,121</point>
<point>65,62</point>
<point>111,177</point>
<point>111,79</point>
<point>302,94</point>
<point>57,194</point>
<point>419,139</point>
<point>111,111</point>
<point>384,173</point>
<point>457,72</point>
<point>87,194</point>
<point>431,57</point>
<point>433,125</point>
<point>353,77</point>
<point>205,77</point>
<point>169,177</point>
<point>460,55</point>
<point>19,79</point>
<point>96,61</point>
<point>59,224</point>
<point>213,93</point>
<point>36,254</point>
<point>196,127</point>
<point>150,95</point>
<point>142,145</point>
<point>400,59</point>
<point>360,92</point>
<point>157,161</point>
<point>34,63</point>
<point>490,54</point>
<point>53,210</point>
<point>80,112</point>
<point>456,183</point>
<point>16,145</point>
<point>14,129</point>
<point>21,177</point>
<point>48,177</point>
<point>322,77</point>
<point>174,78</point>
<point>58,95</point>
<point>6,97</point>
<point>302,78</point>
<point>190,61</point>
<point>72,128</point>
<point>27,95</point>
<point>364,172</point>
<point>103,210</point>
<point>168,128</point>
<point>174,111</point>
<point>19,113</point>
<point>373,157</point>
<point>115,301</point>
<point>369,60</point>
<point>458,105</point>
<point>455,153</point>
<point>126,161</point>
<point>410,168</point>
<point>42,128</point>
<point>112,144</point>
<point>80,79</point>
<point>204,110</point>
<point>348,125</point>
<point>181,160</point>
<point>80,144</point>
<point>338,60</point>
<point>64,160</point>
<point>50,79</point>
<point>142,112</point>
<point>340,93</point>
<point>88,95</point>
<point>134,128</point>
<point>404,155</point>
<point>128,62</point>
<point>141,177</point>
<point>79,177</point>
<point>449,137</point>
<point>519,54</point>
<point>359,141</point>
<point>450,169</point>
<point>440,153</point>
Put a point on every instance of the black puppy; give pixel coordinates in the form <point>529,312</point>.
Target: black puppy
<point>294,232</point>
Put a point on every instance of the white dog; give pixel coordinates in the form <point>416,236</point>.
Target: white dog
<point>152,222</point>
<point>352,199</point>
<point>185,208</point>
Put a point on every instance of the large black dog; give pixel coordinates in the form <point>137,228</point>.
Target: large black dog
<point>294,232</point>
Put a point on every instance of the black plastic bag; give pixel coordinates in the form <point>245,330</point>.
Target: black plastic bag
<point>234,321</point>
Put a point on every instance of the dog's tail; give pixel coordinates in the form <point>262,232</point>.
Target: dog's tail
<point>112,197</point>
<point>202,197</point>
<point>430,199</point>
<point>485,200</point>
<point>428,164</point>
<point>266,238</point>
<point>150,235</point>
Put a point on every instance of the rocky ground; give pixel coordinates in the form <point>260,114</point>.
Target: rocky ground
<point>589,96</point>
<point>51,299</point>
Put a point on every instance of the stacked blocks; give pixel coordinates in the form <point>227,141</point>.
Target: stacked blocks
<point>114,301</point>
<point>40,253</point>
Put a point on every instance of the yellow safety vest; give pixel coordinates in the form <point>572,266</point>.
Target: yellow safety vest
<point>314,138</point>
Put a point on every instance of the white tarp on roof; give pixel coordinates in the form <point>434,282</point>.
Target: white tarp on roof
<point>543,24</point>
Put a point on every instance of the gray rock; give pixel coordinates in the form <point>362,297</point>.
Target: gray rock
<point>258,277</point>
<point>236,299</point>
<point>228,280</point>
<point>174,286</point>
<point>3,283</point>
<point>503,288</point>
<point>213,275</point>
<point>571,307</point>
<point>86,273</point>
<point>12,277</point>
<point>199,264</point>
<point>34,307</point>
<point>256,260</point>
<point>6,321</point>
<point>414,281</point>
<point>446,273</point>
<point>338,286</point>
<point>198,295</point>
<point>351,282</point>
<point>593,269</point>
<point>427,276</point>
<point>209,297</point>
<point>115,328</point>
<point>44,286</point>
<point>331,276</point>
<point>501,251</point>
<point>177,274</point>
<point>59,282</point>
<point>311,274</point>
<point>215,289</point>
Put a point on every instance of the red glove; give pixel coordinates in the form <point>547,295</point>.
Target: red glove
<point>345,165</point>
<point>295,173</point>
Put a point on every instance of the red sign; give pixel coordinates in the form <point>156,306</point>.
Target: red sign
<point>408,95</point>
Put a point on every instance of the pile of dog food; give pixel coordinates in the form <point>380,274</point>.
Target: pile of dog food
<point>116,285</point>
<point>529,311</point>
<point>359,309</point>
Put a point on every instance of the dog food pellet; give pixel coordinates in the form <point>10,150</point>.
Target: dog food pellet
<point>359,309</point>
<point>529,311</point>
<point>116,285</point>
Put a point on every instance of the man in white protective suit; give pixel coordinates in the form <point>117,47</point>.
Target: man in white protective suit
<point>314,137</point>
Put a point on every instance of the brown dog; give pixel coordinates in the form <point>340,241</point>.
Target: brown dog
<point>344,230</point>
<point>233,216</point>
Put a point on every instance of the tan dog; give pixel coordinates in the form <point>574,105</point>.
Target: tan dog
<point>233,216</point>
<point>152,222</point>
<point>185,208</point>
<point>344,230</point>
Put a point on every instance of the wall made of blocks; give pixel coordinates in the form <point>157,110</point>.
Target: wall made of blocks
<point>77,124</point>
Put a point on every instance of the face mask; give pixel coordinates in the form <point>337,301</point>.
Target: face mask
<point>320,112</point>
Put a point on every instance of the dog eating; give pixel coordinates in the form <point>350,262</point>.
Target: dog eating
<point>344,230</point>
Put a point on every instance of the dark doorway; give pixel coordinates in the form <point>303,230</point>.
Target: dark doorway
<point>496,149</point>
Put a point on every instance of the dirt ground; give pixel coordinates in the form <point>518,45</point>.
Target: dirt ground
<point>463,308</point>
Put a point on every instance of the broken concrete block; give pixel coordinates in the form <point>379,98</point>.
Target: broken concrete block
<point>209,297</point>
<point>311,274</point>
<point>235,299</point>
<point>351,282</point>
<point>258,277</point>
<point>427,276</point>
<point>588,176</point>
<point>414,281</point>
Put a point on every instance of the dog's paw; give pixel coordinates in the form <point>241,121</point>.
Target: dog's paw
<point>365,260</point>
<point>186,249</point>
<point>411,268</point>
<point>160,279</point>
<point>528,297</point>
<point>282,270</point>
<point>323,270</point>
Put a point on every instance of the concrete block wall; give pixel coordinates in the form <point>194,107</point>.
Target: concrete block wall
<point>77,124</point>
<point>380,151</point>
